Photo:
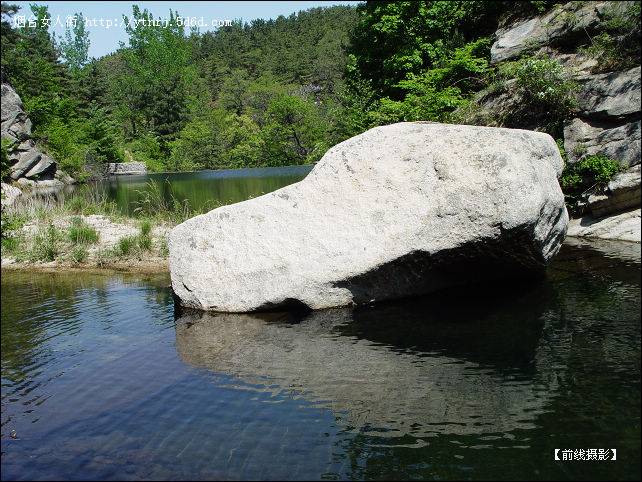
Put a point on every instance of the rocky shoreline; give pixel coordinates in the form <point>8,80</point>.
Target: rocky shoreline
<point>120,245</point>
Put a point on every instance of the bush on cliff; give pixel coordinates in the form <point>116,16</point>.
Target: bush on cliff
<point>591,172</point>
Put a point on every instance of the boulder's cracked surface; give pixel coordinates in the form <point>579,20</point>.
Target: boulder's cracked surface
<point>398,210</point>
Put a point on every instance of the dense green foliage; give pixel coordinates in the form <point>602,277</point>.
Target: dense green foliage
<point>282,91</point>
<point>257,94</point>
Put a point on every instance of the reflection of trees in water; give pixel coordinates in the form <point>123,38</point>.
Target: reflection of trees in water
<point>37,307</point>
<point>33,305</point>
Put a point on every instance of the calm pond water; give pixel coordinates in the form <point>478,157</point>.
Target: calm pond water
<point>202,188</point>
<point>101,380</point>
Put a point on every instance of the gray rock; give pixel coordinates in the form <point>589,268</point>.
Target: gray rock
<point>21,129</point>
<point>9,194</point>
<point>623,227</point>
<point>560,25</point>
<point>25,145</point>
<point>14,156</point>
<point>126,168</point>
<point>625,250</point>
<point>63,177</point>
<point>6,135</point>
<point>511,42</point>
<point>26,161</point>
<point>45,186</point>
<point>612,95</point>
<point>46,167</point>
<point>494,107</point>
<point>399,210</point>
<point>586,138</point>
<point>15,123</point>
<point>622,193</point>
<point>4,127</point>
<point>11,103</point>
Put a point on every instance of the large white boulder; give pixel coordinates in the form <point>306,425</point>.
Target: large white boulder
<point>399,210</point>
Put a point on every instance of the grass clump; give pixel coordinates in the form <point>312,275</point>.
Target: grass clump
<point>126,245</point>
<point>136,244</point>
<point>104,256</point>
<point>79,254</point>
<point>144,238</point>
<point>158,201</point>
<point>88,202</point>
<point>144,243</point>
<point>617,46</point>
<point>163,248</point>
<point>81,233</point>
<point>46,244</point>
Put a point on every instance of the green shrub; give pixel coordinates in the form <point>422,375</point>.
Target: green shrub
<point>11,244</point>
<point>562,149</point>
<point>617,46</point>
<point>82,233</point>
<point>590,172</point>
<point>436,93</point>
<point>11,223</point>
<point>545,85</point>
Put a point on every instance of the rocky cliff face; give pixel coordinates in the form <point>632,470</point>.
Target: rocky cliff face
<point>30,166</point>
<point>605,119</point>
